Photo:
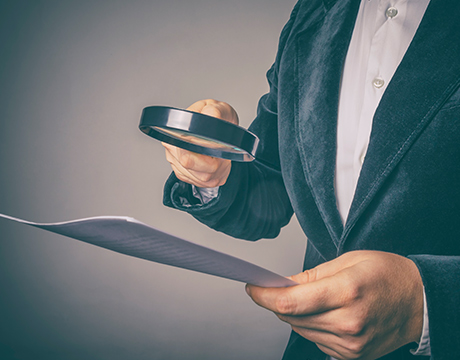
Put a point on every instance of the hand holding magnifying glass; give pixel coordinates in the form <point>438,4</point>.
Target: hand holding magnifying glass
<point>200,141</point>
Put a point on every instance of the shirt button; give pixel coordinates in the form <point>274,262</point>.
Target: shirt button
<point>378,83</point>
<point>391,12</point>
<point>361,159</point>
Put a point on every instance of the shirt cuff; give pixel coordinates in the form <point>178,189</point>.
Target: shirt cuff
<point>205,194</point>
<point>424,347</point>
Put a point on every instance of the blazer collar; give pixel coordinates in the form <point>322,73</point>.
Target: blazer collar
<point>321,50</point>
<point>432,62</point>
<point>328,4</point>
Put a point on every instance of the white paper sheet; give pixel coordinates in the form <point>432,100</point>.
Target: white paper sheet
<point>131,237</point>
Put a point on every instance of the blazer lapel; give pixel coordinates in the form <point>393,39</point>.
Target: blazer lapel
<point>321,51</point>
<point>433,63</point>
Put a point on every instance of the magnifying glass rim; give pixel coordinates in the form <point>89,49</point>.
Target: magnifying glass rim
<point>200,125</point>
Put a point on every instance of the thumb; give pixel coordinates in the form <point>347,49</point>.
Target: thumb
<point>330,268</point>
<point>212,110</point>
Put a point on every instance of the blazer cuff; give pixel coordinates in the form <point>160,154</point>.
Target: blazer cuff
<point>440,276</point>
<point>185,197</point>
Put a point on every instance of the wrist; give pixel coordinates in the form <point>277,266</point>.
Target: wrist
<point>416,305</point>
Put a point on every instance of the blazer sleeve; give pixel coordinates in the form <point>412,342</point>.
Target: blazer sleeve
<point>441,278</point>
<point>253,204</point>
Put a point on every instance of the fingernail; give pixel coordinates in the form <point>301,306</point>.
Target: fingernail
<point>248,291</point>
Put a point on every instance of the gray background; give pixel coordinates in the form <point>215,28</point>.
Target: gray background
<point>74,77</point>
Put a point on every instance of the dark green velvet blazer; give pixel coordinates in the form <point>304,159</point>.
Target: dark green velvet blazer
<point>407,199</point>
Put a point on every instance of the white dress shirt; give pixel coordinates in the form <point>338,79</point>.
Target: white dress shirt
<point>383,31</point>
<point>382,34</point>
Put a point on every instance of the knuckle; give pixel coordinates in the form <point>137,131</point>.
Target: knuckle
<point>181,177</point>
<point>285,305</point>
<point>169,156</point>
<point>214,183</point>
<point>352,291</point>
<point>205,178</point>
<point>356,348</point>
<point>311,275</point>
<point>213,165</point>
<point>186,160</point>
<point>353,327</point>
<point>221,182</point>
<point>204,174</point>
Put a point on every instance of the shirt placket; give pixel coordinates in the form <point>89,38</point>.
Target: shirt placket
<point>378,74</point>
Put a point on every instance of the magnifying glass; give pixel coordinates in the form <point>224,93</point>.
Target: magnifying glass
<point>199,133</point>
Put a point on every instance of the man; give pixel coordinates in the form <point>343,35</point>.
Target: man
<point>360,137</point>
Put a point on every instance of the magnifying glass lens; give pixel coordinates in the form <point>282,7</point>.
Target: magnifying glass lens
<point>199,140</point>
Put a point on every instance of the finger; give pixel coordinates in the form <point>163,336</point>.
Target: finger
<point>204,179</point>
<point>185,176</point>
<point>330,344</point>
<point>181,172</point>
<point>208,107</point>
<point>214,110</point>
<point>324,339</point>
<point>192,161</point>
<point>330,352</point>
<point>305,299</point>
<point>325,321</point>
<point>198,106</point>
<point>337,321</point>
